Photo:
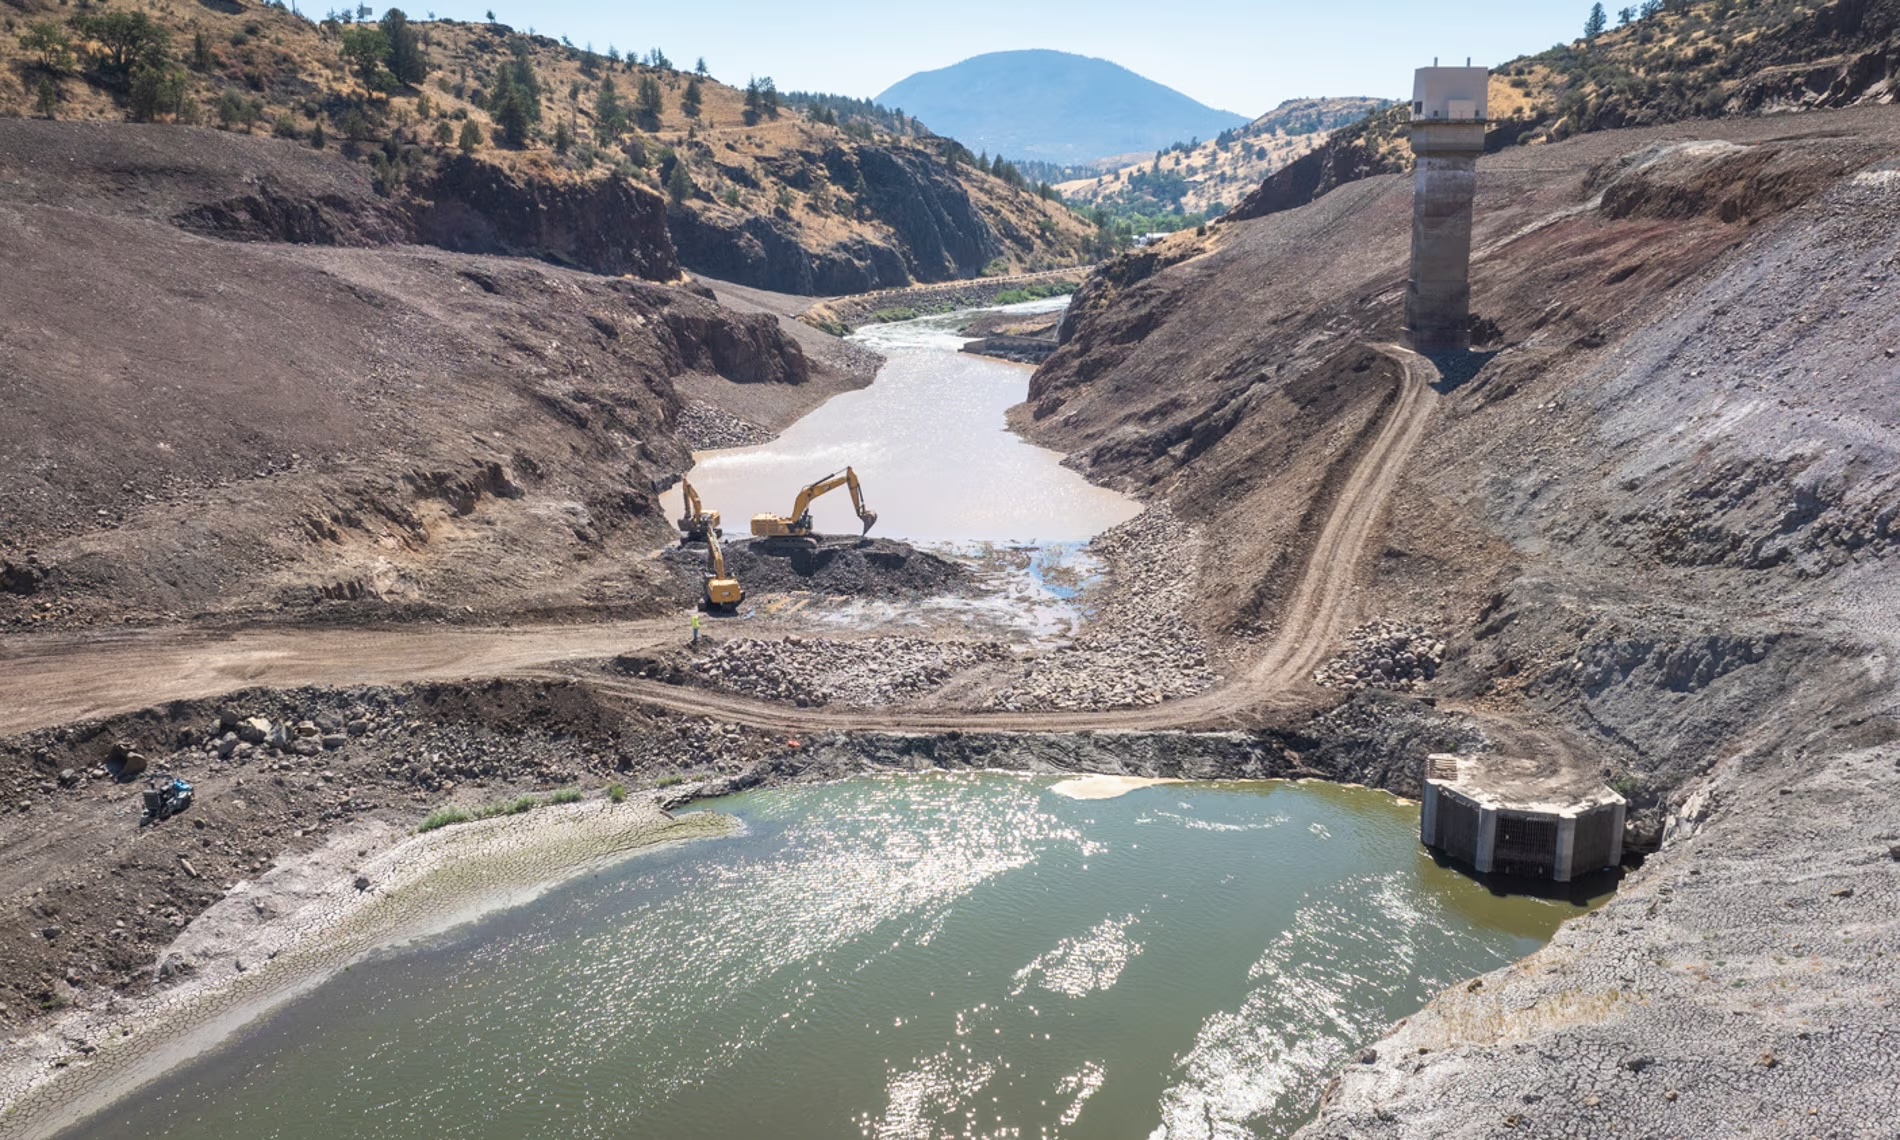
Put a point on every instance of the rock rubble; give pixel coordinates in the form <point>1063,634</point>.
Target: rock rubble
<point>1384,654</point>
<point>1143,642</point>
<point>809,671</point>
<point>703,427</point>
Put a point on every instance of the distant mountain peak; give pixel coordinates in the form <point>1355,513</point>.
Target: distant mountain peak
<point>1053,106</point>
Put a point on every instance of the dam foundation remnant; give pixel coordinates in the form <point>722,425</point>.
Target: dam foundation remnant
<point>1447,135</point>
<point>1502,816</point>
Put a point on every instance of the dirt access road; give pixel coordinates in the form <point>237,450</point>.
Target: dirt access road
<point>56,680</point>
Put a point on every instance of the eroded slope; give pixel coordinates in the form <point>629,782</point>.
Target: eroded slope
<point>1655,507</point>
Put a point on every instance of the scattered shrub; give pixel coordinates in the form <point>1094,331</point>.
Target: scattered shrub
<point>443,817</point>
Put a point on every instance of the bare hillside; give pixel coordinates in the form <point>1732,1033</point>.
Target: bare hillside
<point>1658,505</point>
<point>204,423</point>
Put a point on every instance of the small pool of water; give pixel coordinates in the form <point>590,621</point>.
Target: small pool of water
<point>907,957</point>
<point>929,442</point>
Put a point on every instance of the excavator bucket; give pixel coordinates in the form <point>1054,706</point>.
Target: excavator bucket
<point>868,517</point>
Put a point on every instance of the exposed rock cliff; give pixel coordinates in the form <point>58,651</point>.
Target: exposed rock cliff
<point>604,224</point>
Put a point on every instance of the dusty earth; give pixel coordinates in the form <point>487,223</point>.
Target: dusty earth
<point>427,426</point>
<point>1650,520</point>
<point>1655,509</point>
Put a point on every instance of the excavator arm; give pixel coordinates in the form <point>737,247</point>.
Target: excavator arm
<point>695,521</point>
<point>723,591</point>
<point>845,478</point>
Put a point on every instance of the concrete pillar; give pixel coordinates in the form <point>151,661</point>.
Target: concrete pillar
<point>1618,814</point>
<point>1449,105</point>
<point>1428,814</point>
<point>1444,183</point>
<point>1487,848</point>
<point>1565,864</point>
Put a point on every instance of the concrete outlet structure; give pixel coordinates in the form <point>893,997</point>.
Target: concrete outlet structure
<point>1448,118</point>
<point>1481,812</point>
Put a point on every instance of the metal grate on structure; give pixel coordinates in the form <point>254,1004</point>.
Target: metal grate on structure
<point>1526,845</point>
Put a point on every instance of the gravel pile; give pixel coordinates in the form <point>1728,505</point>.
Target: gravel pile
<point>1384,655</point>
<point>868,567</point>
<point>1143,644</point>
<point>815,671</point>
<point>702,427</point>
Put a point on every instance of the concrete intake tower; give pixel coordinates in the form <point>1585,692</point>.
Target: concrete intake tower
<point>1448,117</point>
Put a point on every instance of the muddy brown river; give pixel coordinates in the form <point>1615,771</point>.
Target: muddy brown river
<point>929,442</point>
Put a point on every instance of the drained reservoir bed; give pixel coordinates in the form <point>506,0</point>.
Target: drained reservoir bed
<point>911,956</point>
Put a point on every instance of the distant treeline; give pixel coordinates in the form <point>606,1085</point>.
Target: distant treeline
<point>856,116</point>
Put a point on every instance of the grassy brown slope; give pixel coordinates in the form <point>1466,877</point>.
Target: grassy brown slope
<point>808,191</point>
<point>199,426</point>
<point>1695,60</point>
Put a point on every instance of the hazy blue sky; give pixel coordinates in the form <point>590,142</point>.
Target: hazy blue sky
<point>1239,55</point>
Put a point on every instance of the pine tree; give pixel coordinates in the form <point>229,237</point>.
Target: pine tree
<point>610,115</point>
<point>48,99</point>
<point>471,136</point>
<point>1597,21</point>
<point>690,99</point>
<point>753,103</point>
<point>406,57</point>
<point>647,105</point>
<point>679,184</point>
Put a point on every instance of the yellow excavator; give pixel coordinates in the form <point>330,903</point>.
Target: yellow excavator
<point>723,592</point>
<point>796,527</point>
<point>697,522</point>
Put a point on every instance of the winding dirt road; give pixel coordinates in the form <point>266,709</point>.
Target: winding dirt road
<point>63,678</point>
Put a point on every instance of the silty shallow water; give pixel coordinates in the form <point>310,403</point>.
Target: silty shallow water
<point>915,956</point>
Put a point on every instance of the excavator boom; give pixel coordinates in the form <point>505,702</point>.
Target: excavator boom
<point>696,522</point>
<point>723,591</point>
<point>798,523</point>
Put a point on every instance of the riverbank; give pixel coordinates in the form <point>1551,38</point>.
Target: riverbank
<point>840,316</point>
<point>367,887</point>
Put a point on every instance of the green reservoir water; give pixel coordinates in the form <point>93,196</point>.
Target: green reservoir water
<point>906,957</point>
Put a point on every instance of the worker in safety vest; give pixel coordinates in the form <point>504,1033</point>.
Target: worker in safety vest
<point>695,627</point>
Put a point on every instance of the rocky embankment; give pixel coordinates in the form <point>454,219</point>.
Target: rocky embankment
<point>1143,642</point>
<point>1647,513</point>
<point>704,427</point>
<point>839,567</point>
<point>1383,654</point>
<point>443,435</point>
<point>861,673</point>
<point>275,773</point>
